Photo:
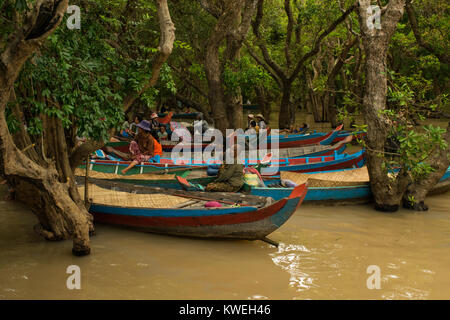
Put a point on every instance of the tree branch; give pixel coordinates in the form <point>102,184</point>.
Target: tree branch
<point>317,43</point>
<point>415,28</point>
<point>167,39</point>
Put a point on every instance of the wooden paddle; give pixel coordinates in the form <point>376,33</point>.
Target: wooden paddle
<point>168,170</point>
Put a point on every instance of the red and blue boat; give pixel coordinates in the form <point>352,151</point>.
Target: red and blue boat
<point>336,192</point>
<point>302,164</point>
<point>289,141</point>
<point>253,219</point>
<point>321,163</point>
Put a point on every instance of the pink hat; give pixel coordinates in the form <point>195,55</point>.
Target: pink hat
<point>153,116</point>
<point>213,204</point>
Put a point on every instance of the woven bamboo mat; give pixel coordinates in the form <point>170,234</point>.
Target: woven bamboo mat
<point>353,177</point>
<point>144,176</point>
<point>125,199</point>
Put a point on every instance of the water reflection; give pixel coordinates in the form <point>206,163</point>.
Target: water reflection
<point>290,258</point>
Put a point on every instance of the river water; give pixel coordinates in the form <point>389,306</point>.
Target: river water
<point>324,253</point>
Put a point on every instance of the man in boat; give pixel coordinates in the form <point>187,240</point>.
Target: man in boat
<point>154,125</point>
<point>230,177</point>
<point>142,148</point>
<point>203,124</point>
<point>304,128</point>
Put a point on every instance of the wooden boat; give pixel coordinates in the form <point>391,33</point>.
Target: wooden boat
<point>191,115</point>
<point>166,181</point>
<point>290,141</point>
<point>329,187</point>
<point>181,213</point>
<point>307,164</point>
<point>302,152</point>
<point>321,163</point>
<point>334,187</point>
<point>313,151</point>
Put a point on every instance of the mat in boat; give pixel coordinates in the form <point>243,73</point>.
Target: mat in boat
<point>104,196</point>
<point>111,176</point>
<point>342,178</point>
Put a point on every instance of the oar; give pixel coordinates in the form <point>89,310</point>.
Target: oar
<point>165,171</point>
<point>207,199</point>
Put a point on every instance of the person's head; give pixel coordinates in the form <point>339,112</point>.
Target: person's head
<point>163,129</point>
<point>137,119</point>
<point>260,117</point>
<point>253,123</point>
<point>154,116</point>
<point>144,127</point>
<point>250,117</point>
<point>199,116</point>
<point>305,125</point>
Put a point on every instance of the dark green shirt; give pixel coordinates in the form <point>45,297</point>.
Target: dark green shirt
<point>232,174</point>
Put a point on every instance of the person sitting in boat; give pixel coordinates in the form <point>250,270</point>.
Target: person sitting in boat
<point>253,128</point>
<point>142,148</point>
<point>230,177</point>
<point>164,109</point>
<point>162,134</point>
<point>133,131</point>
<point>289,130</point>
<point>250,118</point>
<point>203,123</point>
<point>154,125</point>
<point>157,151</point>
<point>304,128</point>
<point>261,121</point>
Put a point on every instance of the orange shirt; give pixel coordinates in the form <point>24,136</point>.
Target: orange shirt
<point>157,148</point>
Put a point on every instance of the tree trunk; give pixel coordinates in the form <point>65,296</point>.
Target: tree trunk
<point>165,47</point>
<point>387,192</point>
<point>287,110</point>
<point>233,23</point>
<point>263,102</point>
<point>49,190</point>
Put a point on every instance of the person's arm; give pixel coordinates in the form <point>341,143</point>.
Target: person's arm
<point>149,147</point>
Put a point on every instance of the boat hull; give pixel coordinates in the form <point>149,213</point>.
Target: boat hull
<point>246,223</point>
<point>336,162</point>
<point>340,195</point>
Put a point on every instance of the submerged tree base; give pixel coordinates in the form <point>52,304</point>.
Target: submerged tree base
<point>416,206</point>
<point>386,207</point>
<point>81,252</point>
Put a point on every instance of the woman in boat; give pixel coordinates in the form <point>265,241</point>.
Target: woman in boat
<point>142,147</point>
<point>261,121</point>
<point>133,130</point>
<point>230,177</point>
<point>250,118</point>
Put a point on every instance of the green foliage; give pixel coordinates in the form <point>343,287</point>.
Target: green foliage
<point>244,75</point>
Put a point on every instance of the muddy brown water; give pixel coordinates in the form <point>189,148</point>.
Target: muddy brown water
<point>324,254</point>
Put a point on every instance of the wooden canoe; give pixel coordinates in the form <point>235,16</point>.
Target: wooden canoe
<point>340,187</point>
<point>321,163</point>
<point>300,164</point>
<point>300,152</point>
<point>291,141</point>
<point>254,219</point>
